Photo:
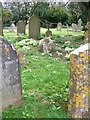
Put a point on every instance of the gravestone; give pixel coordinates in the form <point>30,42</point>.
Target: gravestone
<point>46,45</point>
<point>79,26</point>
<point>48,33</point>
<point>34,27</point>
<point>74,27</point>
<point>10,82</point>
<point>27,26</point>
<point>86,37</point>
<point>1,29</point>
<point>79,103</point>
<point>59,26</point>
<point>12,28</point>
<point>21,27</point>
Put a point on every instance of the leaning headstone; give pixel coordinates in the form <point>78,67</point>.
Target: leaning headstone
<point>12,28</point>
<point>1,29</point>
<point>34,27</point>
<point>79,103</point>
<point>21,27</point>
<point>10,82</point>
<point>59,26</point>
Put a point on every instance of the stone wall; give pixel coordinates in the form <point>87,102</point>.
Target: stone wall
<point>79,103</point>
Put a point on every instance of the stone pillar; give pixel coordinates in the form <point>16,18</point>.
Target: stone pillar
<point>79,102</point>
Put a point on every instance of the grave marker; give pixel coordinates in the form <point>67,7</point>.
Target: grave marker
<point>21,27</point>
<point>34,27</point>
<point>10,71</point>
<point>12,28</point>
<point>79,103</point>
<point>59,26</point>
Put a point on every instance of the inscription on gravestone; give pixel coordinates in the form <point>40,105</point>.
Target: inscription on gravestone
<point>34,27</point>
<point>10,71</point>
<point>21,27</point>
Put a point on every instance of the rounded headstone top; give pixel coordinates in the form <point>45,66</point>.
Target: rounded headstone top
<point>81,49</point>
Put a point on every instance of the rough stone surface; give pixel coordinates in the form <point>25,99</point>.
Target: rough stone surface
<point>59,26</point>
<point>46,45</point>
<point>10,80</point>
<point>34,27</point>
<point>12,28</point>
<point>48,33</point>
<point>79,103</point>
<point>21,27</point>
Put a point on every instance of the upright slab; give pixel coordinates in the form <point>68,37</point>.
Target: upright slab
<point>21,27</point>
<point>34,27</point>
<point>1,29</point>
<point>10,86</point>
<point>79,103</point>
<point>59,26</point>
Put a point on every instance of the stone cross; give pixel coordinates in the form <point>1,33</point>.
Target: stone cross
<point>10,80</point>
<point>21,27</point>
<point>34,27</point>
<point>79,102</point>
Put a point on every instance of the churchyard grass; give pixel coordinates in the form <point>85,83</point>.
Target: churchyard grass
<point>45,82</point>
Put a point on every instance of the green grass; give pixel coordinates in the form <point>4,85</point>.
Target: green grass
<point>45,83</point>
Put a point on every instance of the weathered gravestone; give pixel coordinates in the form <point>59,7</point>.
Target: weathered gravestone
<point>79,27</point>
<point>79,103</point>
<point>1,29</point>
<point>10,82</point>
<point>12,28</point>
<point>21,26</point>
<point>48,33</point>
<point>46,45</point>
<point>74,27</point>
<point>34,27</point>
<point>59,26</point>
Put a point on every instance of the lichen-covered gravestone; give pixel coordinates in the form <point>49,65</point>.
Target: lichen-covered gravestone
<point>1,29</point>
<point>10,82</point>
<point>79,103</point>
<point>21,27</point>
<point>34,27</point>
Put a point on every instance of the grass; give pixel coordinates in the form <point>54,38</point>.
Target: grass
<point>45,83</point>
